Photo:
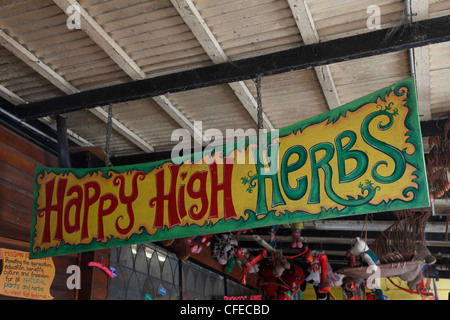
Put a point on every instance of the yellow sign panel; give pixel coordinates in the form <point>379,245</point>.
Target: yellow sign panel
<point>363,157</point>
<point>25,278</point>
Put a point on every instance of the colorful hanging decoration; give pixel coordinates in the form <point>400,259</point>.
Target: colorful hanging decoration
<point>279,288</point>
<point>225,246</point>
<point>111,272</point>
<point>273,232</point>
<point>249,266</point>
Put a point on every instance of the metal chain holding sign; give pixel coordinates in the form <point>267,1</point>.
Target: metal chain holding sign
<point>108,137</point>
<point>259,102</point>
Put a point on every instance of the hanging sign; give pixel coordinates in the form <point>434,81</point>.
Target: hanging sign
<point>363,157</point>
<point>25,278</point>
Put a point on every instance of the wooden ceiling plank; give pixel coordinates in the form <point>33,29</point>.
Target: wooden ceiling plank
<point>208,41</point>
<point>308,31</point>
<point>126,63</point>
<point>421,56</point>
<point>48,73</point>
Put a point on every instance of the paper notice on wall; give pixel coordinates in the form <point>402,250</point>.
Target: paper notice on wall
<point>24,278</point>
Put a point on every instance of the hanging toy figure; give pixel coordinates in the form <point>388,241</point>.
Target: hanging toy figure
<point>273,231</point>
<point>353,289</point>
<point>314,270</point>
<point>296,231</point>
<point>251,265</point>
<point>324,285</point>
<point>308,255</point>
<point>360,249</point>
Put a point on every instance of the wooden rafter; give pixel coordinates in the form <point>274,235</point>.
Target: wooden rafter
<point>308,31</point>
<point>208,41</point>
<point>123,60</point>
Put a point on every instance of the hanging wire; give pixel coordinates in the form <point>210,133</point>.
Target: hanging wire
<point>108,136</point>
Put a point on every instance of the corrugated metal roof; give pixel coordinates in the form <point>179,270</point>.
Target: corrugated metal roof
<point>155,36</point>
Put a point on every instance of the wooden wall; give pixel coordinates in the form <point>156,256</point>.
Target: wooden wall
<point>18,159</point>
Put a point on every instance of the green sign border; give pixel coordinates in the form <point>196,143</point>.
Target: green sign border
<point>421,197</point>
